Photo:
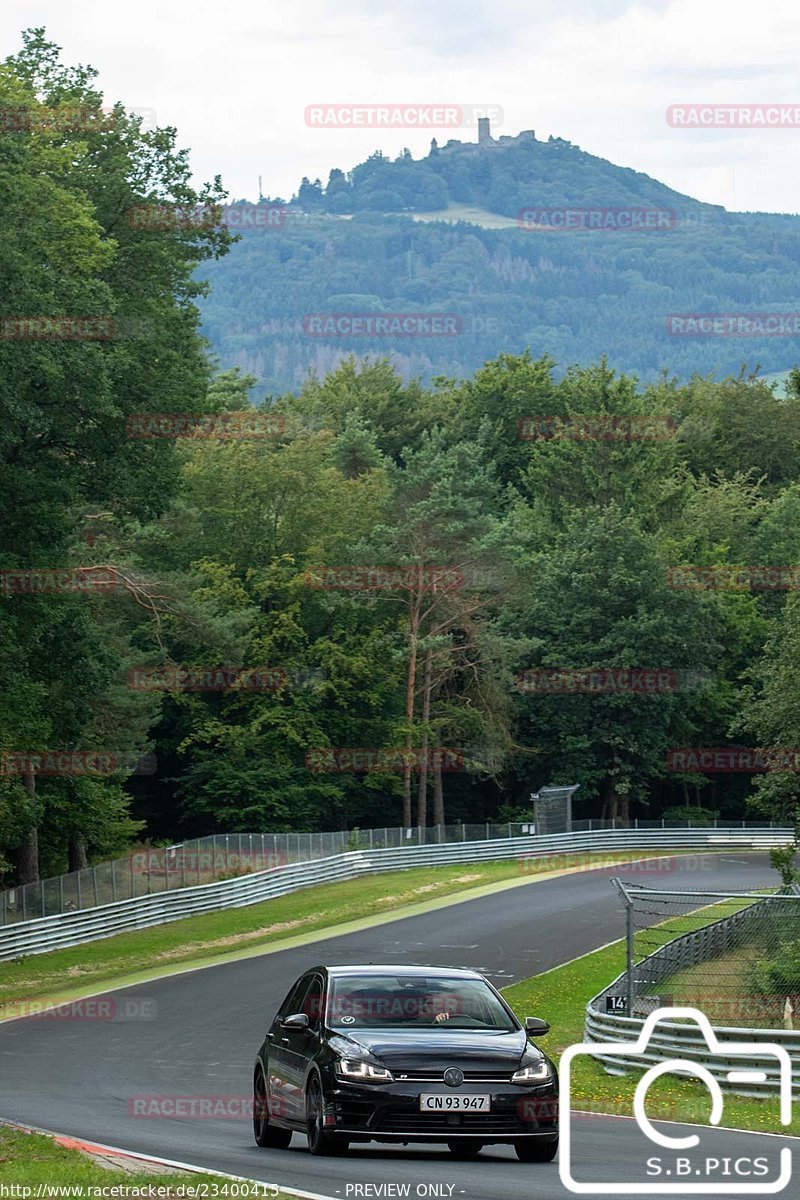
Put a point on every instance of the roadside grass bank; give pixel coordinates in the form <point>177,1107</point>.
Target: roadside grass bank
<point>560,996</point>
<point>281,922</point>
<point>29,1161</point>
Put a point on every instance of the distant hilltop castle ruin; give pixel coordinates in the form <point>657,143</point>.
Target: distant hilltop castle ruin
<point>485,140</point>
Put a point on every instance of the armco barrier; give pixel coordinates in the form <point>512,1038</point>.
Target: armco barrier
<point>679,1039</point>
<point>91,924</point>
<point>673,1039</point>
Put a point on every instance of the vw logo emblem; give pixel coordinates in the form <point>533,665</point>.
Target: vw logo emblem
<point>453,1077</point>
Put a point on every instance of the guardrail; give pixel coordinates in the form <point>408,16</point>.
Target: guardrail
<point>218,856</point>
<point>678,1039</point>
<point>87,925</point>
<point>209,859</point>
<point>673,1039</point>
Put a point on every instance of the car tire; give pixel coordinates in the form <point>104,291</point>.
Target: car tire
<point>320,1142</point>
<point>466,1148</point>
<point>536,1150</point>
<point>266,1135</point>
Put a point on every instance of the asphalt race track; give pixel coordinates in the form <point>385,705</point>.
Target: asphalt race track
<point>78,1077</point>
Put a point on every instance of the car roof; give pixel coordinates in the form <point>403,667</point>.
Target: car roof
<point>405,969</point>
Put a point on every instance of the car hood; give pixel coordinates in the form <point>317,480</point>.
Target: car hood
<point>434,1049</point>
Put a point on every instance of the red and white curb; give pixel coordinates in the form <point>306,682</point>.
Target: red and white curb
<point>115,1157</point>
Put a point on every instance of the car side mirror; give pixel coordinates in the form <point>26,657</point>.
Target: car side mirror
<point>295,1021</point>
<point>535,1026</point>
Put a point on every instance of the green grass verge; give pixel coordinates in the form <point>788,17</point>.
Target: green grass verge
<point>30,1159</point>
<point>561,996</point>
<point>287,920</point>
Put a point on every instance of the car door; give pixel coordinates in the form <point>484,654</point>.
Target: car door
<point>299,1045</point>
<point>278,1042</point>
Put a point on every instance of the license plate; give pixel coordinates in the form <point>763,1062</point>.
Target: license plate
<point>455,1102</point>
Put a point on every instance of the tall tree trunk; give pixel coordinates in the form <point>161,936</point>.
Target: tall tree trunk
<point>28,853</point>
<point>625,809</point>
<point>76,849</point>
<point>411,687</point>
<point>438,794</point>
<point>422,794</point>
<point>610,810</point>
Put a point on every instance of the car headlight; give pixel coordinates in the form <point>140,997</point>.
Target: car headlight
<point>534,1073</point>
<point>356,1068</point>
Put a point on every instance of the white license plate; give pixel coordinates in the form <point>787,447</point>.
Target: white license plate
<point>457,1102</point>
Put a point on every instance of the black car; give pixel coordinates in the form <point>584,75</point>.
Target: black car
<point>404,1054</point>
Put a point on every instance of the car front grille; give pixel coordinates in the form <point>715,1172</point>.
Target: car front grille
<point>469,1076</point>
<point>399,1120</point>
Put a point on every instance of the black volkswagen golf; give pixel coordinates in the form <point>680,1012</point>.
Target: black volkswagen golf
<point>404,1054</point>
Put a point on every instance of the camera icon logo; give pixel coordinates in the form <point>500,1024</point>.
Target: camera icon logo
<point>753,1055</point>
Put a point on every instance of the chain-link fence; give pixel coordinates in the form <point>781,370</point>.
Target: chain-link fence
<point>224,856</point>
<point>220,856</point>
<point>733,956</point>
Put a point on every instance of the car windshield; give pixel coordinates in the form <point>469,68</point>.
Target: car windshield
<point>415,1002</point>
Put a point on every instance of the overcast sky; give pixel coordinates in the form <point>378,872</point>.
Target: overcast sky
<point>235,78</point>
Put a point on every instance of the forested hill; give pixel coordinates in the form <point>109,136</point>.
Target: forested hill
<point>382,239</point>
<point>503,177</point>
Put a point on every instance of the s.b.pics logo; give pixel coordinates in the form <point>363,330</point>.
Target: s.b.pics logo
<point>657,1160</point>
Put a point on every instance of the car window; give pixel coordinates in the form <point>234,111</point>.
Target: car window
<point>312,1002</point>
<point>294,999</point>
<point>416,1002</point>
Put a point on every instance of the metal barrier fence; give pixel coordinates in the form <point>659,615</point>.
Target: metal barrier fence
<point>146,872</point>
<point>719,952</point>
<point>38,935</point>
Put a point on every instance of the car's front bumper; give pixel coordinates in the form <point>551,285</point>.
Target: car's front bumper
<point>391,1112</point>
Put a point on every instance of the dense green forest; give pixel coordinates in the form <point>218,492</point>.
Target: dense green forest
<point>251,558</point>
<point>352,246</point>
